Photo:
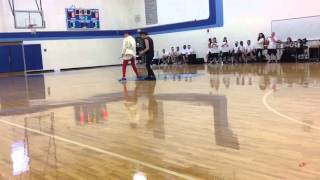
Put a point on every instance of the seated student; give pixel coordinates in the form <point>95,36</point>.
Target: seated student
<point>289,51</point>
<point>178,55</point>
<point>242,52</point>
<point>289,44</point>
<point>190,50</point>
<point>172,56</point>
<point>191,55</point>
<point>209,55</point>
<point>225,50</point>
<point>209,51</point>
<point>236,52</point>
<point>210,43</point>
<point>164,57</point>
<point>272,48</point>
<point>249,52</point>
<point>184,54</point>
<point>215,50</point>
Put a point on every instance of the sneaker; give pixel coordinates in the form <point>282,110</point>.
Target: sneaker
<point>123,79</point>
<point>150,78</point>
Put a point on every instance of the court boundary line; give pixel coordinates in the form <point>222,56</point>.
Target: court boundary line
<point>265,103</point>
<point>119,156</point>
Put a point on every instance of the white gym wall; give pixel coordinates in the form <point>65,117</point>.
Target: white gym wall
<point>242,20</point>
<point>1,17</point>
<point>113,13</point>
<point>62,54</point>
<point>169,11</point>
<point>307,27</point>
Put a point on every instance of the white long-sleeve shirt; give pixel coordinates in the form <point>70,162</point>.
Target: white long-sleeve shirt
<point>260,44</point>
<point>129,47</point>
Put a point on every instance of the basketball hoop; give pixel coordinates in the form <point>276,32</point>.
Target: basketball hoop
<point>33,29</point>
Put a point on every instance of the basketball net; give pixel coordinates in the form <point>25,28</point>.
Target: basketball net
<point>33,29</point>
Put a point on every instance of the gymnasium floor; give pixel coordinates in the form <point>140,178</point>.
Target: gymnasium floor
<point>231,122</point>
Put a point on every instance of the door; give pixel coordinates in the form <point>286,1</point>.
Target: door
<point>4,59</point>
<point>16,59</point>
<point>33,57</point>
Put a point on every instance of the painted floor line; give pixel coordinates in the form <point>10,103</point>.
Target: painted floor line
<point>101,151</point>
<point>265,103</point>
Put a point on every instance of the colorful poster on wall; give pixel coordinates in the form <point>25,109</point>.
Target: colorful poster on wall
<point>82,19</point>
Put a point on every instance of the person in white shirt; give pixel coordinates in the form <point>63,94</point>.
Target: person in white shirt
<point>184,50</point>
<point>225,50</point>
<point>178,55</point>
<point>236,52</point>
<point>215,48</point>
<point>172,56</point>
<point>272,47</point>
<point>210,43</point>
<point>191,56</point>
<point>249,51</point>
<point>209,51</point>
<point>177,52</point>
<point>189,50</point>
<point>213,52</point>
<point>242,52</point>
<point>260,46</point>
<point>209,55</point>
<point>164,56</point>
<point>128,55</point>
<point>184,54</point>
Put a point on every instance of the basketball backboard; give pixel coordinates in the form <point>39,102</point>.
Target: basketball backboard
<point>25,19</point>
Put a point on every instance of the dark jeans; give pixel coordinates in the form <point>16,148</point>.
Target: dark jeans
<point>259,55</point>
<point>148,66</point>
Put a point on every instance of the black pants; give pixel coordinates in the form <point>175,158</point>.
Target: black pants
<point>259,52</point>
<point>148,66</point>
<point>259,55</point>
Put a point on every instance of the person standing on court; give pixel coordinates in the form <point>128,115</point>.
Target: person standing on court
<point>272,48</point>
<point>128,55</point>
<point>149,53</point>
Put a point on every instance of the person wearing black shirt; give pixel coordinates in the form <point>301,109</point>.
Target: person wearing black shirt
<point>149,53</point>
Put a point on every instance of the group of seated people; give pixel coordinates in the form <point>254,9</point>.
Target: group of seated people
<point>291,49</point>
<point>177,56</point>
<point>269,49</point>
<point>244,53</point>
<point>225,54</point>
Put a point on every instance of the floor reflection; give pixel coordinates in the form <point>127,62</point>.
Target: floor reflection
<point>90,114</point>
<point>155,119</point>
<point>20,92</point>
<point>18,95</point>
<point>20,158</point>
<point>305,75</point>
<point>223,134</point>
<point>27,154</point>
<point>168,122</point>
<point>43,122</point>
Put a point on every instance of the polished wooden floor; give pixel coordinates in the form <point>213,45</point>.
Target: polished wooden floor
<point>230,122</point>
